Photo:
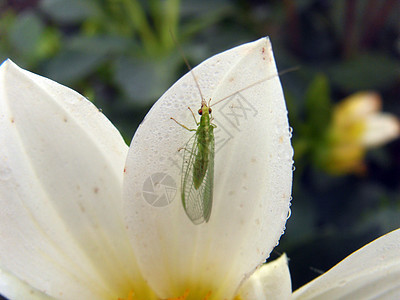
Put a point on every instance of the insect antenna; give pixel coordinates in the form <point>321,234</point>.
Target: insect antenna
<point>188,66</point>
<point>258,82</point>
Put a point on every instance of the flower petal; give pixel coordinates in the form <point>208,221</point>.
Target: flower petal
<point>252,179</point>
<point>271,281</point>
<point>372,272</point>
<point>356,106</point>
<point>61,166</point>
<point>380,129</point>
<point>17,289</point>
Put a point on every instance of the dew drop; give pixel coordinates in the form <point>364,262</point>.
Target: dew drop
<point>289,214</point>
<point>5,173</point>
<point>342,282</point>
<point>290,129</point>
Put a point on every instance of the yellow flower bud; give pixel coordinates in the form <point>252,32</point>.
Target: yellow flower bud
<point>358,124</point>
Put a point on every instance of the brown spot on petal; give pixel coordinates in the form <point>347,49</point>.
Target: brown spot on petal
<point>82,208</point>
<point>263,53</point>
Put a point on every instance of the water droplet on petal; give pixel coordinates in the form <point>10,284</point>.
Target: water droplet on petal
<point>5,173</point>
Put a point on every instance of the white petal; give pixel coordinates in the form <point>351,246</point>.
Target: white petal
<point>17,289</point>
<point>61,166</point>
<point>380,129</point>
<point>271,281</point>
<point>252,180</point>
<point>372,272</point>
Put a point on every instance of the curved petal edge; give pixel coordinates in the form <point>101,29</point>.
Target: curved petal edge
<point>271,281</point>
<point>371,272</point>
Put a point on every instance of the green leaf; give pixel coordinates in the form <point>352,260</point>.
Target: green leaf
<point>82,56</point>
<point>368,71</point>
<point>144,81</point>
<point>99,45</point>
<point>318,106</point>
<point>71,11</point>
<point>26,33</point>
<point>71,66</point>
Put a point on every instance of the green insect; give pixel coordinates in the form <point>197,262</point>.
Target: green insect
<point>197,181</point>
<point>198,167</point>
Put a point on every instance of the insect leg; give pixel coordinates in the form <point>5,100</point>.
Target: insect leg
<point>182,125</point>
<point>183,148</point>
<point>212,124</point>
<point>194,117</point>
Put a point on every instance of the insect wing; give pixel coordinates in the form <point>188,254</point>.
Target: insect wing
<point>197,202</point>
<point>208,183</point>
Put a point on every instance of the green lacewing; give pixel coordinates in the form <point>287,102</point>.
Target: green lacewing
<point>197,181</point>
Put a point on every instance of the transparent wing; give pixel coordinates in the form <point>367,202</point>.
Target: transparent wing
<point>208,183</point>
<point>197,202</point>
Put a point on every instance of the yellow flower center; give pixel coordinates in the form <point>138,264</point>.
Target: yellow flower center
<point>186,294</point>
<point>130,296</point>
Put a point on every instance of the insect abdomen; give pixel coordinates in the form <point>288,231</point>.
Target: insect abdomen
<point>201,161</point>
<point>205,134</point>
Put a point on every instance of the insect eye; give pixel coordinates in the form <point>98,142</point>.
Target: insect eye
<point>210,110</point>
<point>200,111</point>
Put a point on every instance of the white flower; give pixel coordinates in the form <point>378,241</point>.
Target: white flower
<point>65,209</point>
<point>61,166</point>
<point>81,218</point>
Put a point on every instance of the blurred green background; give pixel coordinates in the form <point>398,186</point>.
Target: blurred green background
<point>120,54</point>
